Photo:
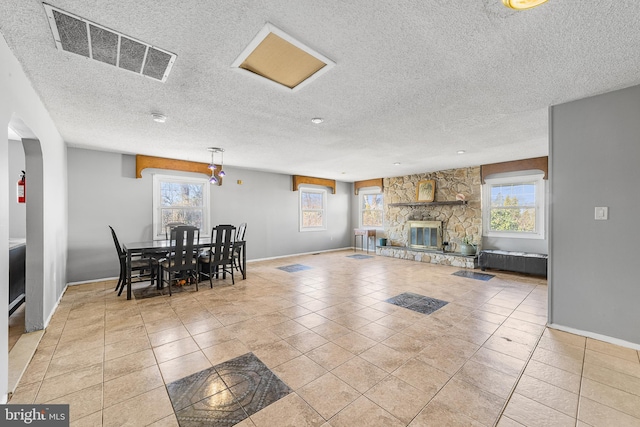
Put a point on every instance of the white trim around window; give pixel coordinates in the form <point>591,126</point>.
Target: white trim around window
<point>312,208</point>
<point>199,212</point>
<point>378,208</point>
<point>532,199</point>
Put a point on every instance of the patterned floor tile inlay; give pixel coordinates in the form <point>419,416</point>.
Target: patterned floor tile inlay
<point>473,275</point>
<point>359,256</point>
<point>225,394</point>
<point>416,302</point>
<point>294,267</point>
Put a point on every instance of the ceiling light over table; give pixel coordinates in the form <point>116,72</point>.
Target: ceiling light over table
<point>317,120</point>
<point>213,167</point>
<point>522,4</point>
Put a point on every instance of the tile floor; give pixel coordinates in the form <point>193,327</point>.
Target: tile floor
<point>347,357</point>
<point>16,325</point>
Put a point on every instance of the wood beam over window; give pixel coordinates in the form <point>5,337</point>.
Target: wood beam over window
<point>539,163</point>
<point>299,179</point>
<point>145,162</point>
<point>376,182</point>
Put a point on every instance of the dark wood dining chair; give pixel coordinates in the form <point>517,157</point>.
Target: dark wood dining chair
<point>144,265</point>
<point>220,256</point>
<point>170,226</point>
<point>237,250</point>
<point>181,264</point>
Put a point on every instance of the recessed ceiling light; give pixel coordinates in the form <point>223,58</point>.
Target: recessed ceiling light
<point>317,120</point>
<point>396,164</point>
<point>461,151</point>
<point>522,4</point>
<point>158,118</point>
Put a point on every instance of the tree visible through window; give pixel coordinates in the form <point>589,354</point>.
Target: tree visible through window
<point>371,210</point>
<point>514,207</point>
<point>176,199</point>
<point>312,209</point>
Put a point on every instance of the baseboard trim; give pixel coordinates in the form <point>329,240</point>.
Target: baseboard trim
<point>84,282</point>
<point>299,254</point>
<point>599,337</point>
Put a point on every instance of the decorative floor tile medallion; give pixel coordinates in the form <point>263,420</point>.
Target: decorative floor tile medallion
<point>225,394</point>
<point>359,256</point>
<point>473,275</point>
<point>294,267</point>
<point>416,302</point>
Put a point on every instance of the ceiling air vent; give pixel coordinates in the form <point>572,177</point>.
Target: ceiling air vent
<point>276,56</point>
<point>77,35</point>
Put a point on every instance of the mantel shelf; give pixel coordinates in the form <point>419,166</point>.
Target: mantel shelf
<point>452,202</point>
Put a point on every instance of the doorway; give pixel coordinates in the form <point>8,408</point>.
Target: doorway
<point>33,225</point>
<point>26,226</point>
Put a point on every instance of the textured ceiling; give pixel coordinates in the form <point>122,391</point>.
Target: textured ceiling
<point>414,80</point>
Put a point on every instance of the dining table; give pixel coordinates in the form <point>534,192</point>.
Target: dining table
<point>159,247</point>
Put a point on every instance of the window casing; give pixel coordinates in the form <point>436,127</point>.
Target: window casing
<point>371,209</point>
<point>179,199</point>
<point>514,206</point>
<point>313,209</point>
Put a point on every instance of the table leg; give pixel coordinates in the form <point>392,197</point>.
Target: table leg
<point>244,262</point>
<point>128,275</point>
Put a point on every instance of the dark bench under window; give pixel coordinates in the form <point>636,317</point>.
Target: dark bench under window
<point>520,262</point>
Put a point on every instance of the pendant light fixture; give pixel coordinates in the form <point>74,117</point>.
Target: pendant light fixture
<point>212,165</point>
<point>522,4</point>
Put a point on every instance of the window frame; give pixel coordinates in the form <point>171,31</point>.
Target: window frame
<point>361,194</point>
<point>322,191</point>
<point>157,207</point>
<point>540,205</point>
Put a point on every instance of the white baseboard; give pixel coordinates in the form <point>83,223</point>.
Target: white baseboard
<point>83,282</point>
<point>599,337</point>
<point>303,253</point>
<point>55,307</point>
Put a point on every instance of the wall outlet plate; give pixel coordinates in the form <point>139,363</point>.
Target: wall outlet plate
<point>602,213</point>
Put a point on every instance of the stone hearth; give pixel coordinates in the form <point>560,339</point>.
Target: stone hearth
<point>432,257</point>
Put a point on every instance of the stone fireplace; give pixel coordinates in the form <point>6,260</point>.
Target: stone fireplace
<point>451,221</point>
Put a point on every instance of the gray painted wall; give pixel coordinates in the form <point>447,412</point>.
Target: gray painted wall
<point>17,211</point>
<point>103,191</point>
<point>594,155</point>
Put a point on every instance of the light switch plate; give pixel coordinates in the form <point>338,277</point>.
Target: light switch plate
<point>602,213</point>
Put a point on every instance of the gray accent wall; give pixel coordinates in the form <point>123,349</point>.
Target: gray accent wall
<point>103,191</point>
<point>594,161</point>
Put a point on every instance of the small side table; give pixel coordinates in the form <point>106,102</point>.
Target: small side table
<point>362,232</point>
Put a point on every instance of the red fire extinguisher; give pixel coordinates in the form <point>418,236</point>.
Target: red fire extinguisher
<point>22,188</point>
